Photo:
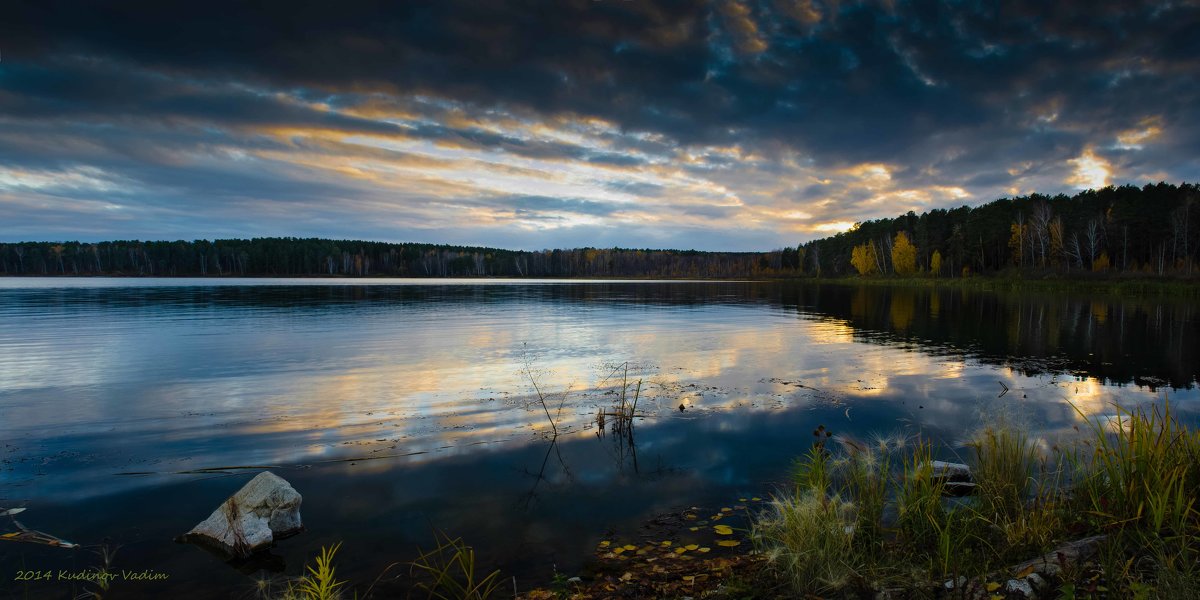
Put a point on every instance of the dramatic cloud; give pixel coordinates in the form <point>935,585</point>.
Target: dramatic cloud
<point>723,124</point>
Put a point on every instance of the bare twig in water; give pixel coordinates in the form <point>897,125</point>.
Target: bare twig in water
<point>25,534</point>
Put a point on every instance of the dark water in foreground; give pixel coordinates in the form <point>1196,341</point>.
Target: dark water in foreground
<point>400,407</point>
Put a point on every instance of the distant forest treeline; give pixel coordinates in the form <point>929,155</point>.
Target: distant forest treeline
<point>1114,229</point>
<point>305,257</point>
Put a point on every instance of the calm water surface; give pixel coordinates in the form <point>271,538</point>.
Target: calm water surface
<point>128,407</point>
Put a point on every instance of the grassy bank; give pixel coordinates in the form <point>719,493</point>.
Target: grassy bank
<point>871,518</point>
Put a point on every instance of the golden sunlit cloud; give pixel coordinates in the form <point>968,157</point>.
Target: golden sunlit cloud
<point>743,29</point>
<point>1091,171</point>
<point>1133,139</point>
<point>834,227</point>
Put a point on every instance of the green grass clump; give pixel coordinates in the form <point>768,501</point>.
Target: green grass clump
<point>1003,465</point>
<point>808,539</point>
<point>864,517</point>
<point>1146,473</point>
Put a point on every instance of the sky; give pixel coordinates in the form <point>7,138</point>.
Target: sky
<point>737,125</point>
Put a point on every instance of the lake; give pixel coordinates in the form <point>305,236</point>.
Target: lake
<point>131,408</point>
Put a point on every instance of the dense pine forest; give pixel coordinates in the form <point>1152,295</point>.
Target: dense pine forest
<point>1123,229</point>
<point>1127,229</point>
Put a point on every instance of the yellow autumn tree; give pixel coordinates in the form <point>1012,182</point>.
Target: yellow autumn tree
<point>935,263</point>
<point>904,255</point>
<point>1101,263</point>
<point>1016,242</point>
<point>863,259</point>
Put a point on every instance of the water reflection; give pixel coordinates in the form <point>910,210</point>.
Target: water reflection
<point>1121,340</point>
<point>396,409</point>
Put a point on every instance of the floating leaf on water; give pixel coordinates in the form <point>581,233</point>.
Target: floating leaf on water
<point>692,546</point>
<point>690,517</point>
<point>680,550</point>
<point>693,529</point>
<point>630,547</point>
<point>756,499</point>
<point>605,544</point>
<point>705,549</point>
<point>618,550</point>
<point>726,509</point>
<point>741,499</point>
<point>666,544</point>
<point>729,543</point>
<point>689,578</point>
<point>723,529</point>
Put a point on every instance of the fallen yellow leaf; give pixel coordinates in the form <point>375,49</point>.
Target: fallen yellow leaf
<point>993,586</point>
<point>722,529</point>
<point>630,547</point>
<point>692,546</point>
<point>704,549</point>
<point>728,543</point>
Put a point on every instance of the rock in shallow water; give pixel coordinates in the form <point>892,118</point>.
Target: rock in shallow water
<point>951,472</point>
<point>266,509</point>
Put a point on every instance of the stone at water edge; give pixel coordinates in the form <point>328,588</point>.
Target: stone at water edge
<point>267,508</point>
<point>952,472</point>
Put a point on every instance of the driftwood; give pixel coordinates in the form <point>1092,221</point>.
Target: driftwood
<point>1070,553</point>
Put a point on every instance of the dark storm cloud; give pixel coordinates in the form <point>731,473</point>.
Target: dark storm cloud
<point>982,97</point>
<point>848,82</point>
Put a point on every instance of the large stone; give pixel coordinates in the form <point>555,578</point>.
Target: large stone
<point>951,472</point>
<point>266,509</point>
<point>955,478</point>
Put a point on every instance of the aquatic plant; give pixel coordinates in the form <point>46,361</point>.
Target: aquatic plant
<point>319,581</point>
<point>448,572</point>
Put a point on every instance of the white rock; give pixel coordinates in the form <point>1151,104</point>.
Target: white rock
<point>265,509</point>
<point>1019,586</point>
<point>951,584</point>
